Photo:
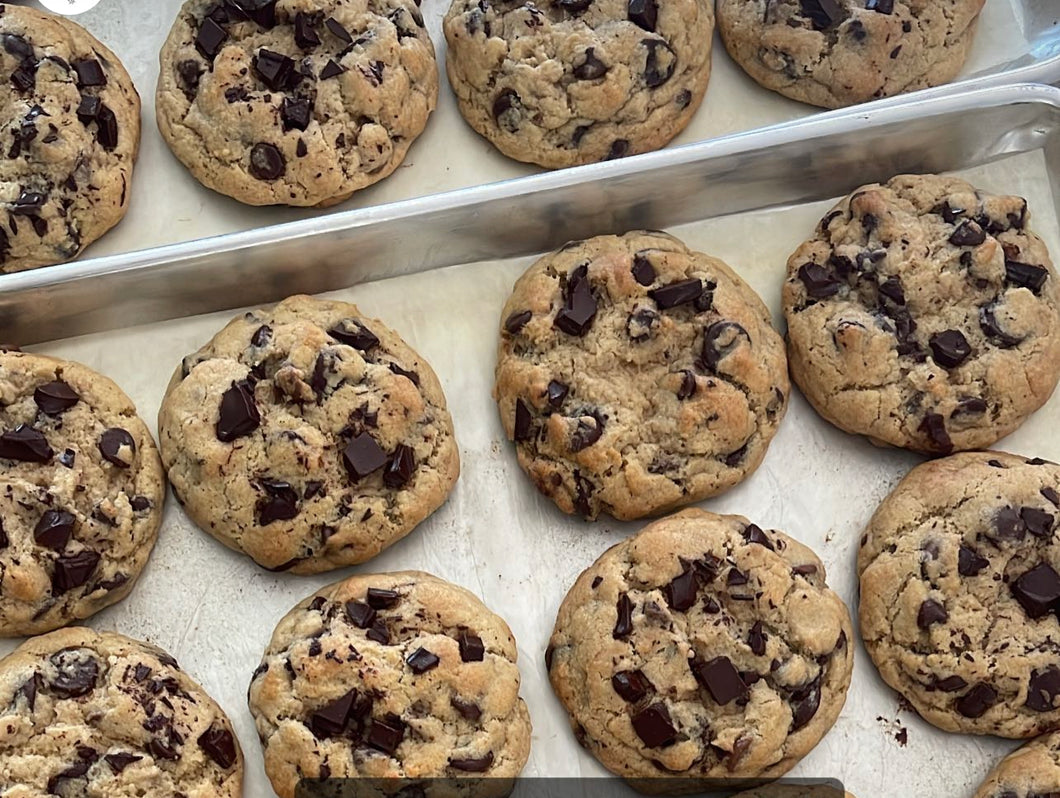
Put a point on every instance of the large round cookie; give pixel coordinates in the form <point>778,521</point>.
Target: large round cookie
<point>924,314</point>
<point>566,82</point>
<point>87,713</point>
<point>69,135</point>
<point>1031,771</point>
<point>307,436</point>
<point>295,102</point>
<point>395,676</point>
<point>960,590</point>
<point>81,493</point>
<point>635,375</point>
<point>702,648</point>
<point>842,52</point>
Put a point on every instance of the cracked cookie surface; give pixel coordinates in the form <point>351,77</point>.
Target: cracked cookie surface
<point>69,135</point>
<point>307,436</point>
<point>81,493</point>
<point>835,53</point>
<point>960,590</point>
<point>91,713</point>
<point>398,675</point>
<point>295,102</point>
<point>924,314</point>
<point>702,648</point>
<point>1031,771</point>
<point>635,375</point>
<point>566,82</point>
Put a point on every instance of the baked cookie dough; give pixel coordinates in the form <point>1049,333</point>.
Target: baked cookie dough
<point>567,82</point>
<point>702,648</point>
<point>635,375</point>
<point>924,314</point>
<point>307,436</point>
<point>295,102</point>
<point>1031,771</point>
<point>89,713</point>
<point>960,590</point>
<point>794,791</point>
<point>395,676</point>
<point>69,135</point>
<point>81,493</point>
<point>835,53</point>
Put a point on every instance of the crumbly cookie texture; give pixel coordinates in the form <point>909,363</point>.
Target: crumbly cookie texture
<point>924,313</point>
<point>960,591</point>
<point>566,82</point>
<point>399,675</point>
<point>635,375</point>
<point>794,791</point>
<point>295,102</point>
<point>81,493</point>
<point>835,53</point>
<point>1031,771</point>
<point>307,436</point>
<point>704,647</point>
<point>90,713</point>
<point>69,135</point>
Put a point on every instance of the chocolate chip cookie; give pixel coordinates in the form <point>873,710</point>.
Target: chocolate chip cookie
<point>1031,771</point>
<point>295,102</point>
<point>635,375</point>
<point>704,647</point>
<point>399,675</point>
<point>924,314</point>
<point>89,713</point>
<point>69,135</point>
<point>566,82</point>
<point>81,493</point>
<point>960,592</point>
<point>835,53</point>
<point>307,436</point>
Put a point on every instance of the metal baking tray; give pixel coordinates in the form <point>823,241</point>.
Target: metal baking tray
<point>1016,41</point>
<point>749,199</point>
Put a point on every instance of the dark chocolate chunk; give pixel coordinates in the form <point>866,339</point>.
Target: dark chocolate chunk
<point>73,570</point>
<point>579,308</point>
<point>624,624</point>
<point>89,73</point>
<point>360,614</point>
<point>951,684</point>
<point>720,338</point>
<point>819,281</point>
<point>934,427</point>
<point>261,336</point>
<point>24,77</point>
<point>721,679</point>
<point>931,612</point>
<point>556,393</point>
<point>682,590</point>
<point>337,30</point>
<point>1037,590</point>
<point>111,443</point>
<point>239,414</point>
<point>654,727</point>
<point>970,405</point>
<point>267,162</point>
<point>331,69</point>
<point>262,12</point>
<point>969,234</point>
<point>753,533</point>
<point>949,348</point>
<point>756,639</point>
<point>523,421</point>
<point>474,764</point>
<point>891,289</point>
<point>54,529</point>
<point>280,502</point>
<point>300,149</point>
<point>305,34</point>
<point>688,385</point>
<point>643,13</point>
<point>1038,522</point>
<point>29,203</point>
<point>822,13</point>
<point>88,109</point>
<point>401,467</point>
<point>421,660</point>
<point>274,69</point>
<point>467,709</point>
<point>632,686</point>
<point>25,443</point>
<point>1008,523</point>
<point>471,647</point>
<point>107,128</point>
<point>885,7</point>
<point>991,329</point>
<point>1043,688</point>
<point>121,760</point>
<point>592,68</point>
<point>209,39</point>
<point>1051,495</point>
<point>363,456</point>
<point>17,46</point>
<point>386,735</point>
<point>515,322</point>
<point>161,749</point>
<point>296,113</point>
<point>969,562</point>
<point>379,632</point>
<point>658,68</point>
<point>219,745</point>
<point>382,599</point>
<point>331,720</point>
<point>805,703</point>
<point>54,397</point>
<point>355,334</point>
<point>976,701</point>
<point>679,293</point>
<point>1026,275</point>
<point>589,430</point>
<point>643,272</point>
<point>76,672</point>
<point>619,149</point>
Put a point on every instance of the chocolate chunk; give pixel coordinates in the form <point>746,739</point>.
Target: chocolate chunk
<point>112,443</point>
<point>262,12</point>
<point>355,334</point>
<point>654,727</point>
<point>280,502</point>
<point>209,39</point>
<point>411,376</point>
<point>556,393</point>
<point>885,7</point>
<point>753,533</point>
<point>54,529</point>
<point>1051,495</point>
<point>274,69</point>
<point>969,234</point>
<point>756,639</point>
<point>592,68</point>
<point>643,272</point>
<point>523,421</point>
<point>219,745</point>
<point>25,443</point>
<point>1025,275</point>
<point>931,612</point>
<point>55,397</point>
<point>73,570</point>
<point>643,13</point>
<point>386,735</point>
<point>107,128</point>
<point>88,109</point>
<point>381,599</point>
<point>624,624</point>
<point>632,686</point>
<point>300,149</point>
<point>951,684</point>
<point>140,503</point>
<point>991,329</point>
<point>679,293</point>
<point>467,709</point>
<point>331,720</point>
<point>619,149</point>
<point>688,385</point>
<point>1038,522</point>
<point>121,760</point>
<point>305,34</point>
<point>261,336</point>
<point>589,430</point>
<point>720,678</point>
<point>1037,590</point>
<point>161,749</point>
<point>970,405</point>
<point>822,13</point>
<point>820,282</point>
<point>401,467</point>
<point>379,632</point>
<point>267,162</point>
<point>89,73</point>
<point>362,456</point>
<point>1008,524</point>
<point>471,647</point>
<point>976,701</point>
<point>515,322</point>
<point>720,339</point>
<point>332,69</point>
<point>29,690</point>
<point>337,30</point>
<point>421,660</point>
<point>239,414</point>
<point>17,46</point>
<point>805,703</point>
<point>934,427</point>
<point>295,113</point>
<point>682,590</point>
<point>76,672</point>
<point>1043,688</point>
<point>969,562</point>
<point>473,765</point>
<point>360,614</point>
<point>24,76</point>
<point>579,308</point>
<point>949,348</point>
<point>658,69</point>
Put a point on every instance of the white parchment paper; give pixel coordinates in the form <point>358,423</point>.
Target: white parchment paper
<point>215,610</point>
